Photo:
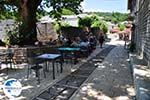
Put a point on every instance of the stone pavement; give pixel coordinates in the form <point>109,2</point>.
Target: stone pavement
<point>64,88</point>
<point>30,87</point>
<point>111,80</point>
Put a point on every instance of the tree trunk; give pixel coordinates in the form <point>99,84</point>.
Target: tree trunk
<point>27,31</point>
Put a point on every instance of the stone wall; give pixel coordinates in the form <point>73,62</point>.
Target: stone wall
<point>142,28</point>
<point>3,24</point>
<point>21,53</point>
<point>142,35</point>
<point>44,30</point>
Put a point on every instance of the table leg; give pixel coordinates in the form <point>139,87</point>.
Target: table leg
<point>46,68</point>
<point>61,64</point>
<point>75,57</point>
<point>11,63</point>
<point>53,69</point>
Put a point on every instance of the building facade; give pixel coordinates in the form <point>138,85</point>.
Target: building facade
<point>140,11</point>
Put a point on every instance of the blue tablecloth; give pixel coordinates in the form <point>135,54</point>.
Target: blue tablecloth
<point>68,49</point>
<point>49,56</point>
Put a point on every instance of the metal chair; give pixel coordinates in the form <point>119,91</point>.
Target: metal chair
<point>69,58</point>
<point>6,59</point>
<point>34,64</point>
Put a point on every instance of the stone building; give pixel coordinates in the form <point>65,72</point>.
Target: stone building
<point>140,12</point>
<point>45,29</point>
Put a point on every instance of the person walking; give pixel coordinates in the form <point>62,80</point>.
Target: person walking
<point>101,39</point>
<point>126,39</point>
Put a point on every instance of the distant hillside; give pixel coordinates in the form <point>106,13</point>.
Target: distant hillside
<point>114,17</point>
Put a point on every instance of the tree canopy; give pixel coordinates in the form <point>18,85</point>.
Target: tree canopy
<point>27,12</point>
<point>93,21</point>
<point>85,22</point>
<point>56,7</point>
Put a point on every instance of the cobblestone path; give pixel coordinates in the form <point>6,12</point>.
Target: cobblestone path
<point>111,80</point>
<point>66,87</point>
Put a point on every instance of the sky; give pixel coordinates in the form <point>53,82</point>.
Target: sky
<point>105,5</point>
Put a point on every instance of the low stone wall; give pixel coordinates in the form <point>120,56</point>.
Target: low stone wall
<point>21,53</point>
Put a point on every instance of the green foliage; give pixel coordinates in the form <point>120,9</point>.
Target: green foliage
<point>65,24</point>
<point>12,34</point>
<point>8,11</point>
<point>67,12</point>
<point>121,27</point>
<point>58,6</point>
<point>8,15</point>
<point>29,10</point>
<point>95,18</point>
<point>85,22</point>
<point>93,21</point>
<point>114,17</point>
<point>104,27</point>
<point>96,24</point>
<point>58,25</point>
<point>40,13</point>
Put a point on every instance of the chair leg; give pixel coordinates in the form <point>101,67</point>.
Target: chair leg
<point>61,66</point>
<point>37,73</point>
<point>44,73</point>
<point>57,67</point>
<point>28,71</point>
<point>72,62</point>
<point>7,69</point>
<point>0,66</point>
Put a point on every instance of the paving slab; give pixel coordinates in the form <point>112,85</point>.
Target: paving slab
<point>73,81</point>
<point>111,80</point>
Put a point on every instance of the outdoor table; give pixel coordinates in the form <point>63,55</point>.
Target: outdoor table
<point>52,58</point>
<point>69,49</point>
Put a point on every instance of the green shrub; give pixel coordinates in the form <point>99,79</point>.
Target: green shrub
<point>93,21</point>
<point>85,22</point>
<point>121,27</point>
<point>95,18</point>
<point>67,12</point>
<point>96,24</point>
<point>58,25</point>
<point>104,27</point>
<point>12,34</point>
<point>101,24</point>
